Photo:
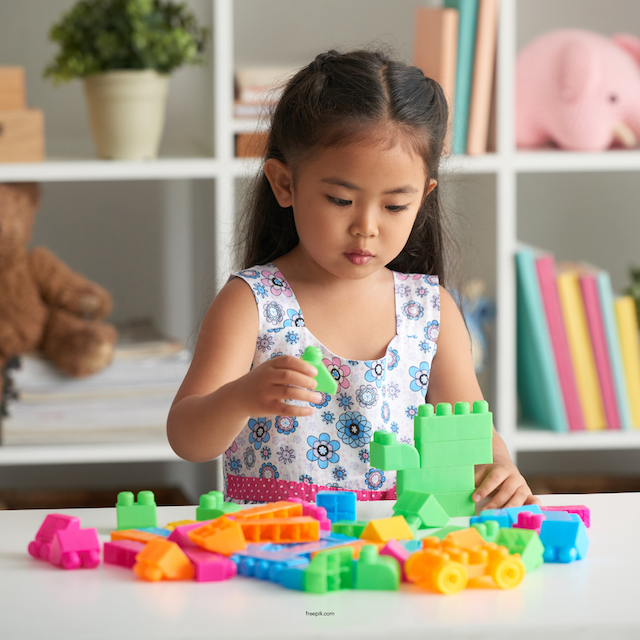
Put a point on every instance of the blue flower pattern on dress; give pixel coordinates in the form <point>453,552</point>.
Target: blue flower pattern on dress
<point>331,447</point>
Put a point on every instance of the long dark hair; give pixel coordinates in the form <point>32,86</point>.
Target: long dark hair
<point>335,100</point>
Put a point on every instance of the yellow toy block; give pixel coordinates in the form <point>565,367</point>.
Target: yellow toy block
<point>222,536</point>
<point>134,534</point>
<point>172,525</point>
<point>385,529</point>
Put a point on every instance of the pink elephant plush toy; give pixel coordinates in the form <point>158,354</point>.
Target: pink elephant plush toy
<point>578,90</point>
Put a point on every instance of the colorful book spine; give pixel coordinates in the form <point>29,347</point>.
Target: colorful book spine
<point>483,77</point>
<point>630,346</point>
<point>605,290</point>
<point>591,300</point>
<point>538,384</point>
<point>468,10</point>
<point>546,270</point>
<point>584,366</point>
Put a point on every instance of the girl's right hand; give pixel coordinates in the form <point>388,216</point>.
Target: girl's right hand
<point>266,387</point>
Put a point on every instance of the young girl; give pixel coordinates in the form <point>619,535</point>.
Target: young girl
<point>345,252</point>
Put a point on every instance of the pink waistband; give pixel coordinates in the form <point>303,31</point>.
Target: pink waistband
<point>269,490</point>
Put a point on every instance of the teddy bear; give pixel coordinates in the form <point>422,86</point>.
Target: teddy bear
<point>44,305</point>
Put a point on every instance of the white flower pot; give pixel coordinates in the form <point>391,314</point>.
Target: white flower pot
<point>126,112</point>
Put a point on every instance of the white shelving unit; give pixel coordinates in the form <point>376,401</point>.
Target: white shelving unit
<point>504,167</point>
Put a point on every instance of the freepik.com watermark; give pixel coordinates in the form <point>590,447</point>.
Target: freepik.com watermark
<point>320,613</point>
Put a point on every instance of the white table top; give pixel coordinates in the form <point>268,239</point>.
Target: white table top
<point>595,598</point>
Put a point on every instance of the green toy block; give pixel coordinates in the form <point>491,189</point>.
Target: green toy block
<point>526,542</point>
<point>445,424</point>
<point>489,529</point>
<point>373,571</point>
<point>352,528</point>
<point>457,503</point>
<point>456,453</point>
<point>445,531</point>
<point>437,479</point>
<point>212,505</point>
<point>326,382</point>
<point>387,454</point>
<point>423,505</point>
<point>132,514</point>
<point>329,570</point>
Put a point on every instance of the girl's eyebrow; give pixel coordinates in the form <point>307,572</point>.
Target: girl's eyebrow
<point>407,188</point>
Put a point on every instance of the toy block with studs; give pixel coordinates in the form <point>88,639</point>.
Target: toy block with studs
<point>212,505</point>
<point>385,529</point>
<point>73,548</point>
<point>282,509</point>
<point>40,548</point>
<point>524,542</point>
<point>133,514</point>
<point>387,454</point>
<point>375,571</point>
<point>348,528</point>
<point>330,570</point>
<point>222,536</point>
<point>210,567</point>
<point>564,536</point>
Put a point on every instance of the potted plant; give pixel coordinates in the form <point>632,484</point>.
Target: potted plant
<point>124,50</point>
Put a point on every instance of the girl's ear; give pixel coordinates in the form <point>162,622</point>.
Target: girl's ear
<point>279,177</point>
<point>432,186</point>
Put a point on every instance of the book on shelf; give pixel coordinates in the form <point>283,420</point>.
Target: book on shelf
<point>483,80</point>
<point>468,16</point>
<point>541,402</point>
<point>630,346</point>
<point>580,347</point>
<point>258,89</point>
<point>546,272</point>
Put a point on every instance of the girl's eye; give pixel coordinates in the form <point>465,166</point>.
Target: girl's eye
<point>396,208</point>
<point>339,201</point>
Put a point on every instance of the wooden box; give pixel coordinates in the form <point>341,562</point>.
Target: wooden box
<point>22,136</point>
<point>251,145</point>
<point>12,89</point>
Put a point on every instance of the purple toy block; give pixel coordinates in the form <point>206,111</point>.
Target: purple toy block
<point>73,548</point>
<point>528,520</point>
<point>180,535</point>
<point>398,551</point>
<point>580,509</point>
<point>41,547</point>
<point>319,513</point>
<point>122,552</point>
<point>210,567</point>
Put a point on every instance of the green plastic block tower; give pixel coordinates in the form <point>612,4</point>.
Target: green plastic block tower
<point>423,506</point>
<point>212,505</point>
<point>387,454</point>
<point>326,382</point>
<point>135,515</point>
<point>373,571</point>
<point>526,542</point>
<point>330,570</point>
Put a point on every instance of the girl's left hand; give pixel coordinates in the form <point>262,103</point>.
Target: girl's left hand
<point>504,481</point>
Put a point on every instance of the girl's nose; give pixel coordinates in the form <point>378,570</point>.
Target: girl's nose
<point>365,225</point>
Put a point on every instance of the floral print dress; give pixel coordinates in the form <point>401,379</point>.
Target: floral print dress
<point>280,457</point>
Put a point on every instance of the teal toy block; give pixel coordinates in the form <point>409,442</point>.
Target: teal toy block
<point>351,528</point>
<point>375,572</point>
<point>424,506</point>
<point>526,542</point>
<point>436,479</point>
<point>489,530</point>
<point>387,454</point>
<point>326,382</point>
<point>212,505</point>
<point>136,515</point>
<point>330,570</point>
<point>446,423</point>
<point>435,455</point>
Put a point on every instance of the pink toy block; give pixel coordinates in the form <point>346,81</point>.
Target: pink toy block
<point>73,548</point>
<point>180,535</point>
<point>41,547</point>
<point>528,520</point>
<point>580,509</point>
<point>122,552</point>
<point>396,550</point>
<point>210,567</point>
<point>314,511</point>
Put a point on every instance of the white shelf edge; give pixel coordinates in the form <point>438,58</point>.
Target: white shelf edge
<point>534,440</point>
<point>545,161</point>
<point>86,453</point>
<point>249,125</point>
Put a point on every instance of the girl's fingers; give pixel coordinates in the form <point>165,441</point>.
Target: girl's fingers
<point>492,481</point>
<point>519,497</point>
<point>295,364</point>
<point>503,494</point>
<point>290,378</point>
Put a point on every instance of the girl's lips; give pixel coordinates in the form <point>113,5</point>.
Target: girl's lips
<point>358,257</point>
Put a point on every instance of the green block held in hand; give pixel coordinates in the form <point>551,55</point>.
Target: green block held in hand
<point>326,382</point>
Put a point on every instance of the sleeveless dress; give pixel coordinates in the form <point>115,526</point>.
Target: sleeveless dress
<point>281,457</point>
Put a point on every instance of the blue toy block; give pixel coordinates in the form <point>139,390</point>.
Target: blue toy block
<point>293,577</point>
<point>340,505</point>
<point>513,512</point>
<point>499,515</point>
<point>266,569</point>
<point>165,533</point>
<point>564,537</point>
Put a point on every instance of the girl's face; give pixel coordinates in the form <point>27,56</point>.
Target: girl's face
<point>354,206</point>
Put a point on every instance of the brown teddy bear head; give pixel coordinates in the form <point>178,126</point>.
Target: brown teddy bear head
<point>18,205</point>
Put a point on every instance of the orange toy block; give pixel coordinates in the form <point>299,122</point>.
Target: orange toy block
<point>282,509</point>
<point>385,529</point>
<point>222,536</point>
<point>294,529</point>
<point>134,534</point>
<point>163,560</point>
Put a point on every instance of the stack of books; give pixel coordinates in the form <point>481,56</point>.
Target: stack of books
<point>578,347</point>
<point>126,402</point>
<point>456,45</point>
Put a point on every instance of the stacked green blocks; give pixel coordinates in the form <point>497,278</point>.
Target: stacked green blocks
<point>448,443</point>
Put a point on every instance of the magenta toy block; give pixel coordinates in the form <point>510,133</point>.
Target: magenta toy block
<point>340,505</point>
<point>210,567</point>
<point>580,509</point>
<point>396,550</point>
<point>73,548</point>
<point>180,535</point>
<point>41,547</point>
<point>319,513</point>
<point>528,520</point>
<point>122,552</point>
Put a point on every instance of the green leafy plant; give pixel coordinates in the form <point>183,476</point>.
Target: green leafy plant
<point>96,36</point>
